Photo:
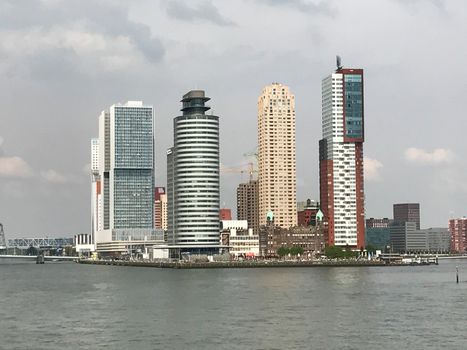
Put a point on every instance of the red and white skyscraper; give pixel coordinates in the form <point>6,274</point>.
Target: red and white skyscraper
<point>160,208</point>
<point>341,157</point>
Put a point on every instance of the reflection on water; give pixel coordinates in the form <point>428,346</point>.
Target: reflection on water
<point>107,307</point>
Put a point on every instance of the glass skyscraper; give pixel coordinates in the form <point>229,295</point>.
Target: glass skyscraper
<point>131,166</point>
<point>193,188</point>
<point>126,168</point>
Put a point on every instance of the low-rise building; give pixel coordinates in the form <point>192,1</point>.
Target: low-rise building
<point>377,223</point>
<point>83,244</point>
<point>127,241</point>
<point>377,237</point>
<point>398,235</point>
<point>439,240</point>
<point>310,238</point>
<point>240,239</point>
<point>405,238</point>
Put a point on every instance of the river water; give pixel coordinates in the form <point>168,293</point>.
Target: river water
<point>72,306</point>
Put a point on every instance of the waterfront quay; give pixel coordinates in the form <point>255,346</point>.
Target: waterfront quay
<point>236,264</point>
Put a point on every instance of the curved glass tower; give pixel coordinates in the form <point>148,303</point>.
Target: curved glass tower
<point>193,176</point>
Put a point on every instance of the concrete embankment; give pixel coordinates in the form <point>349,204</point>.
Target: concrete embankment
<point>233,264</point>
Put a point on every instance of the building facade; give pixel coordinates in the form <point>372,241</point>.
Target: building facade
<point>276,155</point>
<point>310,238</point>
<point>458,230</point>
<point>225,214</point>
<point>125,172</point>
<point>398,233</point>
<point>193,181</point>
<point>377,223</point>
<point>407,212</point>
<point>306,213</point>
<point>96,191</point>
<point>248,204</point>
<point>239,238</point>
<point>160,208</point>
<point>377,237</point>
<point>341,157</point>
<point>439,239</point>
<point>405,238</point>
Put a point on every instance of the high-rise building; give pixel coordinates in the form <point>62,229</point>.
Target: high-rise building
<point>276,155</point>
<point>160,208</point>
<point>2,238</point>
<point>193,181</point>
<point>125,152</point>
<point>248,204</point>
<point>225,214</point>
<point>458,229</point>
<point>407,212</point>
<point>96,190</point>
<point>341,157</point>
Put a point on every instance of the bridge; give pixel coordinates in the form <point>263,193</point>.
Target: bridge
<point>46,257</point>
<point>25,243</point>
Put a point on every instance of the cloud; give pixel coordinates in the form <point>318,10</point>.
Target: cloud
<point>54,176</point>
<point>321,7</point>
<point>59,38</point>
<point>86,169</point>
<point>205,11</point>
<point>438,4</point>
<point>14,167</point>
<point>421,156</point>
<point>371,169</point>
<point>450,180</point>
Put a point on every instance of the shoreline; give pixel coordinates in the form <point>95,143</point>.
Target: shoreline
<point>238,264</point>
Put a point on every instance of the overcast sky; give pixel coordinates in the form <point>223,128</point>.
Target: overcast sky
<point>63,61</point>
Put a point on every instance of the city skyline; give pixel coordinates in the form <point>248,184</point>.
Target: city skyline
<point>44,144</point>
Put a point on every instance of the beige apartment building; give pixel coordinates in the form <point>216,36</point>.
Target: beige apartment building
<point>276,155</point>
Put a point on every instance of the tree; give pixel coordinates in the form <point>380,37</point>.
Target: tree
<point>283,251</point>
<point>296,250</point>
<point>336,252</point>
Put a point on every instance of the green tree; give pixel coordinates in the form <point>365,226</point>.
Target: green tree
<point>283,251</point>
<point>296,250</point>
<point>336,252</point>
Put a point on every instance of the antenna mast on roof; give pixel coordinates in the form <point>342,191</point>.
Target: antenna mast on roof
<point>338,62</point>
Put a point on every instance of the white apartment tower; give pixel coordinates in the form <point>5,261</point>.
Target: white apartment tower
<point>341,157</point>
<point>96,196</point>
<point>276,155</point>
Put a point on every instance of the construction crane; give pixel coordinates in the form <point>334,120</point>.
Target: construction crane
<point>241,169</point>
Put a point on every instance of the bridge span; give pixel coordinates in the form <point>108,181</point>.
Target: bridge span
<point>46,257</point>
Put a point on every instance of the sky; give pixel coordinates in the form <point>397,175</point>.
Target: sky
<point>64,61</point>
